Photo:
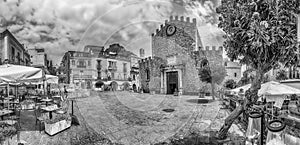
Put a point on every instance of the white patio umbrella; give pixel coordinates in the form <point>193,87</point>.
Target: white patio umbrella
<point>17,73</point>
<point>11,74</point>
<point>271,88</point>
<point>273,91</point>
<point>51,79</point>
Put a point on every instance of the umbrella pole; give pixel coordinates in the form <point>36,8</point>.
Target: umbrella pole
<point>7,89</point>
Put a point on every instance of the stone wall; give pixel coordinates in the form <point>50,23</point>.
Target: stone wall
<point>182,46</point>
<point>153,65</point>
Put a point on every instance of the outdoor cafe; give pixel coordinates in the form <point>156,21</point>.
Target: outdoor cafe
<point>275,119</point>
<point>25,91</point>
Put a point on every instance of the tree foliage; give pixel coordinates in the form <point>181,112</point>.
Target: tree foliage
<point>261,34</point>
<point>205,74</point>
<point>246,78</point>
<point>230,84</point>
<point>281,75</point>
<point>212,72</point>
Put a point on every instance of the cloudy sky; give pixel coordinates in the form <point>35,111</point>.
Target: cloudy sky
<point>62,25</point>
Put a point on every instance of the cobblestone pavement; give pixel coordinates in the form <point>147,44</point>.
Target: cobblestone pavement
<point>132,118</point>
<point>76,135</point>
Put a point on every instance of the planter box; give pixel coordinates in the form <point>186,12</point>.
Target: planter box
<point>28,106</point>
<point>59,126</point>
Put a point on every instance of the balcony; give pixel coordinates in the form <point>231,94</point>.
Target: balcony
<point>99,67</point>
<point>82,76</point>
<point>81,66</point>
<point>112,68</point>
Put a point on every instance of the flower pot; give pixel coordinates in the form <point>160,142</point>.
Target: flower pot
<point>56,127</point>
<point>276,125</point>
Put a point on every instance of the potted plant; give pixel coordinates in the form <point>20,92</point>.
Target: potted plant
<point>57,124</point>
<point>27,104</point>
<point>6,131</point>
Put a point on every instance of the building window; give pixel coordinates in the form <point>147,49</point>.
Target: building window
<point>89,63</point>
<point>98,65</point>
<point>73,62</point>
<point>124,67</point>
<point>112,75</point>
<point>81,64</point>
<point>110,63</point>
<point>235,74</point>
<point>133,77</point>
<point>147,74</point>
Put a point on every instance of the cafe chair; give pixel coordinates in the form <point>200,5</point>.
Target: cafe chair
<point>64,108</point>
<point>40,116</point>
<point>16,115</point>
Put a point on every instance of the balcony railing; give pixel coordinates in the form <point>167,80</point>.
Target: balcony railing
<point>81,66</point>
<point>82,76</point>
<point>112,67</point>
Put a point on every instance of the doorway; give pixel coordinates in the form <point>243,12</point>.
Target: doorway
<point>172,82</point>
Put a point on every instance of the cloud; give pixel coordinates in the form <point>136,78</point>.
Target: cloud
<point>59,26</point>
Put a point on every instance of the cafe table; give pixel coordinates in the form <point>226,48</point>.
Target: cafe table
<point>46,100</point>
<point>33,97</point>
<point>4,112</point>
<point>50,109</point>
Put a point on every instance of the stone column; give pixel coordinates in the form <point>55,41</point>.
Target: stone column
<point>180,88</point>
<point>298,27</point>
<point>162,84</point>
<point>165,82</point>
<point>5,48</point>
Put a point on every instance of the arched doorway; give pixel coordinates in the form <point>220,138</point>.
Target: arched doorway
<point>88,85</point>
<point>134,87</point>
<point>99,84</point>
<point>114,86</point>
<point>126,86</point>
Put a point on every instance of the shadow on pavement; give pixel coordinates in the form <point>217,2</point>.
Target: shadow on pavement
<point>199,101</point>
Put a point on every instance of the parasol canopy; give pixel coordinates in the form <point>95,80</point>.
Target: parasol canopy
<point>52,79</point>
<point>271,88</point>
<point>16,73</point>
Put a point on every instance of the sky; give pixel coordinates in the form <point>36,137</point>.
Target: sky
<point>63,25</point>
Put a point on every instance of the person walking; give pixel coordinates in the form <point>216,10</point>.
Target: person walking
<point>65,92</point>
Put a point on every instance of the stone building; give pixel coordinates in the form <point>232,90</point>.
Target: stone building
<point>40,59</point>
<point>233,70</point>
<point>97,65</point>
<point>12,51</point>
<point>177,54</point>
<point>78,69</point>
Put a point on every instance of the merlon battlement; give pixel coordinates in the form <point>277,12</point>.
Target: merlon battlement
<point>176,19</point>
<point>181,19</point>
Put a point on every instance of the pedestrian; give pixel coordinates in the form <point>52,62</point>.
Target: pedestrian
<point>65,91</point>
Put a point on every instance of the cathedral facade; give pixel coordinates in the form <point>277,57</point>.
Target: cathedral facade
<point>177,53</point>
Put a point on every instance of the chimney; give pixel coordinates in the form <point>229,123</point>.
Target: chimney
<point>142,53</point>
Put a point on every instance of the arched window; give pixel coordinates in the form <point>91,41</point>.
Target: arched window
<point>204,62</point>
<point>147,74</point>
